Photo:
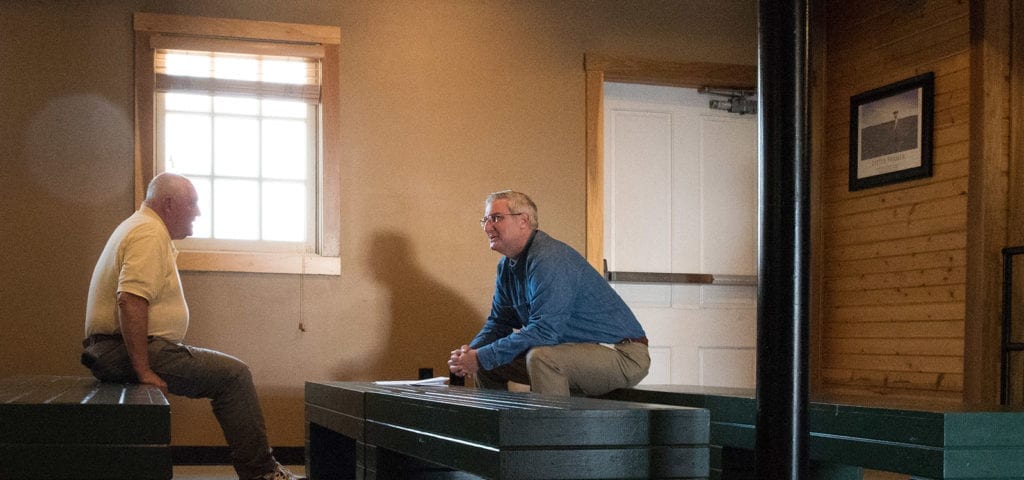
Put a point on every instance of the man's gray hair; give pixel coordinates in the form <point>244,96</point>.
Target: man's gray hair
<point>517,203</point>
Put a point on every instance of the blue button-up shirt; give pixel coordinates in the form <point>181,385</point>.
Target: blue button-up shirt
<point>552,296</point>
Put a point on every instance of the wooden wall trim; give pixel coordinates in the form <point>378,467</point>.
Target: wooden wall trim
<point>676,74</point>
<point>595,169</point>
<point>601,68</point>
<point>818,101</point>
<point>1015,195</point>
<point>329,243</point>
<point>236,28</point>
<point>144,134</point>
<point>987,196</point>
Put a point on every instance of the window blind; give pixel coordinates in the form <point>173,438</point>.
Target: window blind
<point>239,67</point>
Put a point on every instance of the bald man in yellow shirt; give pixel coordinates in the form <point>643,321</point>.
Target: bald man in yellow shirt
<point>136,319</point>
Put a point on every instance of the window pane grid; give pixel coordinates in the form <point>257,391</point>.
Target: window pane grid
<point>251,154</point>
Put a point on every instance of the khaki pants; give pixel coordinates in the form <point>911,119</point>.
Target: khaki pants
<point>586,369</point>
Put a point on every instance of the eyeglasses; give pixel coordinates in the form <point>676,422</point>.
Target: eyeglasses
<point>496,217</point>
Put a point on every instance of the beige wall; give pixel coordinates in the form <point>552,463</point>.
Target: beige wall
<point>442,102</point>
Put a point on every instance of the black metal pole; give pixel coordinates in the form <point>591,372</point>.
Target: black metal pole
<point>783,244</point>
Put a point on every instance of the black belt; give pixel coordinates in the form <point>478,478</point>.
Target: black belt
<point>100,337</point>
<point>642,340</point>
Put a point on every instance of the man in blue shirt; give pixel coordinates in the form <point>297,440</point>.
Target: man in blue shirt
<point>555,323</point>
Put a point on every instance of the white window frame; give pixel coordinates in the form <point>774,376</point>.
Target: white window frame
<point>324,259</point>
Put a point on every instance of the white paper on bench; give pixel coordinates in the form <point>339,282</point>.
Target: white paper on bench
<point>427,381</point>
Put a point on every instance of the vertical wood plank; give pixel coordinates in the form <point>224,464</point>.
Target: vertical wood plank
<point>144,128</point>
<point>595,169</point>
<point>330,188</point>
<point>818,92</point>
<point>987,193</point>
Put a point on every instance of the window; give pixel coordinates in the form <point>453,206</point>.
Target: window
<point>247,111</point>
<point>251,155</point>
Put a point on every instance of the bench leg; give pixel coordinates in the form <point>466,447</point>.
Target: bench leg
<point>833,471</point>
<point>333,456</point>
<point>330,455</point>
<point>384,464</point>
<point>740,464</point>
<point>734,464</point>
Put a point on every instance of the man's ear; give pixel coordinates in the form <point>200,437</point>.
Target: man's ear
<point>525,219</point>
<point>167,203</point>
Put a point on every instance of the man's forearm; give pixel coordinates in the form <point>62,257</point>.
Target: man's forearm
<point>133,316</point>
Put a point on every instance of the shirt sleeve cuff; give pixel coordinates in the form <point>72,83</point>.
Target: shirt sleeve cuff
<point>484,356</point>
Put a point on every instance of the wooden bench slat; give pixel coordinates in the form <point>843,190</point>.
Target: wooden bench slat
<point>29,389</point>
<point>478,459</point>
<point>582,423</point>
<point>55,427</point>
<point>497,434</point>
<point>82,391</point>
<point>938,441</point>
<point>344,423</point>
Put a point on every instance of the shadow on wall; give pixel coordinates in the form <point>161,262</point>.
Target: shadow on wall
<point>428,319</point>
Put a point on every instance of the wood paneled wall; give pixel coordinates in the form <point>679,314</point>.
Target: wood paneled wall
<point>894,258</point>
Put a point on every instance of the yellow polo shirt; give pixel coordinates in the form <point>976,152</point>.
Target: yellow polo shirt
<point>139,258</point>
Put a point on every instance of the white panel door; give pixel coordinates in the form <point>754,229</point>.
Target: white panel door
<point>681,197</point>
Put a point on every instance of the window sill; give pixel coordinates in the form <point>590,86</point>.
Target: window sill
<point>293,263</point>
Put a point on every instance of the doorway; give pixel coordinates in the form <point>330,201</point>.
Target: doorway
<point>701,334</point>
<point>680,211</point>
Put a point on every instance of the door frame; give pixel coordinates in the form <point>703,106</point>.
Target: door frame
<point>607,68</point>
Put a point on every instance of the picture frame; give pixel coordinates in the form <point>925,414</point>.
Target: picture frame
<point>891,133</point>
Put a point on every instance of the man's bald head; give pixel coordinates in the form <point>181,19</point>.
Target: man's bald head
<point>174,199</point>
<point>166,185</point>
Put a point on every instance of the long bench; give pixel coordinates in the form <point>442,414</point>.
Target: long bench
<point>367,431</point>
<point>55,427</point>
<point>851,434</point>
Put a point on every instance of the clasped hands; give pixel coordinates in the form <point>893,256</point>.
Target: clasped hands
<point>463,361</point>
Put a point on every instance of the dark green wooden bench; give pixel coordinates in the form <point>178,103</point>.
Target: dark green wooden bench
<point>366,431</point>
<point>56,428</point>
<point>851,434</point>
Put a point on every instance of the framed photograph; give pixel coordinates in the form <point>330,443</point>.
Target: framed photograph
<point>891,133</point>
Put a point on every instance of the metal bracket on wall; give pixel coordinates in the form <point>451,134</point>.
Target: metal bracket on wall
<point>735,101</point>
